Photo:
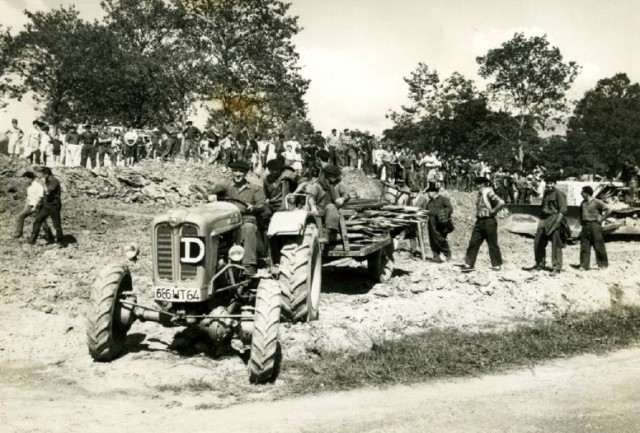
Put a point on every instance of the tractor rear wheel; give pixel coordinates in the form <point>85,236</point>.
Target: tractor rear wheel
<point>300,276</point>
<point>264,340</point>
<point>108,321</point>
<point>380,264</point>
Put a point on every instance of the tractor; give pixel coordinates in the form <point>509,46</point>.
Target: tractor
<point>199,281</point>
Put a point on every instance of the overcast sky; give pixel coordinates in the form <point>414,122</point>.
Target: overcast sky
<point>356,52</point>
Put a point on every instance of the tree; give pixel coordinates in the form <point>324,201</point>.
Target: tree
<point>50,58</point>
<point>252,65</point>
<point>605,125</point>
<point>530,81</point>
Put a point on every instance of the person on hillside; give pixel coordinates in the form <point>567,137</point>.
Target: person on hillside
<point>333,146</point>
<point>254,198</point>
<point>88,140</point>
<point>51,207</point>
<point>488,204</point>
<point>46,146</point>
<point>104,146</point>
<point>440,223</point>
<point>72,147</point>
<point>32,149</point>
<point>191,142</point>
<point>130,146</point>
<point>14,134</point>
<point>35,195</point>
<point>592,213</point>
<point>172,145</point>
<point>552,226</point>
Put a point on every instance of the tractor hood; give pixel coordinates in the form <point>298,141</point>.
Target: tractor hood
<point>211,219</point>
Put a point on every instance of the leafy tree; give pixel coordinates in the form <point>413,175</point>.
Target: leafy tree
<point>530,81</point>
<point>605,126</point>
<point>252,65</point>
<point>49,58</point>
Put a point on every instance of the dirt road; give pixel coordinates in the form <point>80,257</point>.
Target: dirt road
<point>584,394</point>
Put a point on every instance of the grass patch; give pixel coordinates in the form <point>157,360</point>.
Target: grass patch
<point>195,386</point>
<point>451,353</point>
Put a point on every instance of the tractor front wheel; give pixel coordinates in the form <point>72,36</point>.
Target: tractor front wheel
<point>108,321</point>
<point>301,277</point>
<point>264,340</point>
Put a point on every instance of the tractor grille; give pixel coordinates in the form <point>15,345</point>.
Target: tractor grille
<point>188,272</point>
<point>164,252</point>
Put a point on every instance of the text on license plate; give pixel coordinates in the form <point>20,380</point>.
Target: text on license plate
<point>176,294</point>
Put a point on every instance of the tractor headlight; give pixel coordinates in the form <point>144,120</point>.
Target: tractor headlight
<point>131,250</point>
<point>236,253</point>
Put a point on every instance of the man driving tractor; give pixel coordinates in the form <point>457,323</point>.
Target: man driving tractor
<point>253,197</point>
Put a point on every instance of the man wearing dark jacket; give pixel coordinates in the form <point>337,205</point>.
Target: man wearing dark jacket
<point>51,206</point>
<point>440,224</point>
<point>550,226</point>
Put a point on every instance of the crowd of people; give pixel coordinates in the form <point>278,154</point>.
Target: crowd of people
<point>313,166</point>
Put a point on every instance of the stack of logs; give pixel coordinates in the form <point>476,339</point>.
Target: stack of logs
<point>367,224</point>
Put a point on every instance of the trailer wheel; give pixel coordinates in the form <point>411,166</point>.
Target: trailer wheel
<point>380,264</point>
<point>264,339</point>
<point>108,321</point>
<point>300,276</point>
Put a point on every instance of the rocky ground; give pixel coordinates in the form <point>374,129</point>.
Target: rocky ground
<point>44,291</point>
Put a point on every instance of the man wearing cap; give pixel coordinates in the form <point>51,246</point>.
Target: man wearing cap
<point>488,204</point>
<point>592,213</point>
<point>329,193</point>
<point>333,146</point>
<point>35,193</point>
<point>254,198</point>
<point>550,227</point>
<point>440,224</point>
<point>51,206</point>
<point>280,181</point>
<point>88,141</point>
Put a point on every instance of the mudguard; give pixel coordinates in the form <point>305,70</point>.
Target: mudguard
<point>288,222</point>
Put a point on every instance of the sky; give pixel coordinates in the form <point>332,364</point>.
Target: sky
<point>356,52</point>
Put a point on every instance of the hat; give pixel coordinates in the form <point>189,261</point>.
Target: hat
<point>332,170</point>
<point>189,122</point>
<point>432,188</point>
<point>274,165</point>
<point>240,166</point>
<point>551,177</point>
<point>155,129</point>
<point>28,174</point>
<point>481,179</point>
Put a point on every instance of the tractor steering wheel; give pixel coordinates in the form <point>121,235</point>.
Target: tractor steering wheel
<point>244,204</point>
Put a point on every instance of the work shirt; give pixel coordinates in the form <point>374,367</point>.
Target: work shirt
<point>591,210</point>
<point>553,202</point>
<point>72,138</point>
<point>52,191</point>
<point>487,200</point>
<point>87,138</point>
<point>323,197</point>
<point>33,139</point>
<point>333,141</point>
<point>35,192</point>
<point>191,133</point>
<point>440,209</point>
<point>244,191</point>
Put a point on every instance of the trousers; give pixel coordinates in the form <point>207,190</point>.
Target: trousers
<point>48,210</point>
<point>484,229</point>
<point>591,236</point>
<point>540,245</point>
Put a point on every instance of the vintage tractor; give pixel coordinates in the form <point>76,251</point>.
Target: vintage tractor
<point>199,281</point>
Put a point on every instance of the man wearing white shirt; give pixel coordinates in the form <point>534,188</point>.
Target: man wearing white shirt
<point>15,135</point>
<point>32,148</point>
<point>35,193</point>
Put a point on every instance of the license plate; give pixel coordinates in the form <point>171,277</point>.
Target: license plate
<point>176,294</point>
